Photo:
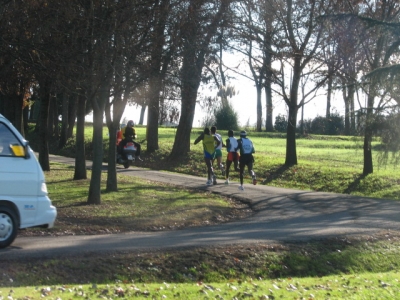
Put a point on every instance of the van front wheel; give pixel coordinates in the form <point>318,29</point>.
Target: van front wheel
<point>8,226</point>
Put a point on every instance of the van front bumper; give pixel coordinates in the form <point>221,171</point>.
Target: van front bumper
<point>46,213</point>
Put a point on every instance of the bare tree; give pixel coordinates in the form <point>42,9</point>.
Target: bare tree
<point>199,26</point>
<point>379,48</point>
<point>303,32</point>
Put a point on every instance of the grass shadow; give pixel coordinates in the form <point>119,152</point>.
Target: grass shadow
<point>273,173</point>
<point>354,185</point>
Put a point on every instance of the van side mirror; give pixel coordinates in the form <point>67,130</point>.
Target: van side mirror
<point>20,151</point>
<point>17,150</point>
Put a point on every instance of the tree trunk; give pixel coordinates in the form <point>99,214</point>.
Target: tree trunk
<point>94,196</point>
<point>155,82</point>
<point>368,165</point>
<point>43,125</point>
<point>269,124</point>
<point>64,121</point>
<point>182,138</point>
<point>352,92</point>
<point>80,156</point>
<point>25,117</point>
<point>50,123</point>
<point>56,127</point>
<point>72,114</point>
<point>153,113</point>
<point>142,111</point>
<point>113,126</point>
<point>259,108</point>
<point>329,97</point>
<point>346,111</point>
<point>18,116</point>
<point>291,151</point>
<point>112,183</point>
<point>302,131</point>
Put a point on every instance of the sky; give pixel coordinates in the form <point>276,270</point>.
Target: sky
<point>245,104</point>
<point>245,100</point>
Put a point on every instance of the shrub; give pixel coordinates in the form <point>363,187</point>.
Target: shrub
<point>333,125</point>
<point>318,125</point>
<point>280,123</point>
<point>226,118</point>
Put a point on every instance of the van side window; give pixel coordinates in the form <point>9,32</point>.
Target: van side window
<point>7,138</point>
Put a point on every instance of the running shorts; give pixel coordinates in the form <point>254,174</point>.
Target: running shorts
<point>209,155</point>
<point>233,156</point>
<point>246,159</point>
<point>217,153</point>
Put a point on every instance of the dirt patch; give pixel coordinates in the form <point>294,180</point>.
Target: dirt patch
<point>70,224</point>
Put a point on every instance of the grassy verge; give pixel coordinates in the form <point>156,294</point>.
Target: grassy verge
<point>362,268</point>
<point>363,286</point>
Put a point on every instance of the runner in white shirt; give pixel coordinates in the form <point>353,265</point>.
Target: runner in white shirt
<point>233,156</point>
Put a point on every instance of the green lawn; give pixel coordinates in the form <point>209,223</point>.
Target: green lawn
<point>325,163</point>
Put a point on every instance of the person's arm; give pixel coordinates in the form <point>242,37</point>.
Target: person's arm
<point>218,141</point>
<point>228,144</point>
<point>239,144</point>
<point>200,138</point>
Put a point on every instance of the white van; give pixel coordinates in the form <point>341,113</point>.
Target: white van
<point>23,193</point>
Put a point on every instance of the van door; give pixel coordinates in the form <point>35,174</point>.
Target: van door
<point>18,176</point>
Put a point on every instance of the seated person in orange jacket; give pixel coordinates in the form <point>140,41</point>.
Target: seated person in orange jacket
<point>119,136</point>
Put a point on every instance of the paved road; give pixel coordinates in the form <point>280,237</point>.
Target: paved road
<point>281,215</point>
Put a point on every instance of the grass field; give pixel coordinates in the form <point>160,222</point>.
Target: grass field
<point>325,163</point>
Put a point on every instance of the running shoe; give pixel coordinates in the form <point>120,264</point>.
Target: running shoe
<point>254,181</point>
<point>222,170</point>
<point>227,181</point>
<point>241,187</point>
<point>209,182</point>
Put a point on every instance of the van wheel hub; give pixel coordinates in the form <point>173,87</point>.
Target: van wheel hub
<point>5,226</point>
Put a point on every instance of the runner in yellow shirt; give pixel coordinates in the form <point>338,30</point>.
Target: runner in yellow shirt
<point>210,143</point>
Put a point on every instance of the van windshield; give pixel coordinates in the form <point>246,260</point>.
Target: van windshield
<point>7,138</point>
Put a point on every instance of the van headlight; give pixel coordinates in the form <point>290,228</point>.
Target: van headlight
<point>44,188</point>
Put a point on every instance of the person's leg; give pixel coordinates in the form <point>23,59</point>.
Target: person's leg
<point>121,146</point>
<point>221,166</point>
<point>137,145</point>
<point>241,171</point>
<point>236,161</point>
<point>218,158</point>
<point>228,165</point>
<point>251,172</point>
<point>209,167</point>
<point>138,149</point>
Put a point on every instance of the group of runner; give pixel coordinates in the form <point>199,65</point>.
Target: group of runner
<point>212,145</point>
